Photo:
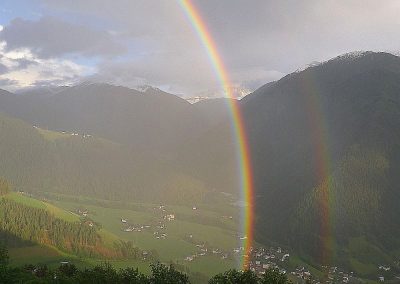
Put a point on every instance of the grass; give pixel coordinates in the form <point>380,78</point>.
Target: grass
<point>57,212</point>
<point>25,200</point>
<point>52,135</point>
<point>39,254</point>
<point>362,268</point>
<point>210,266</point>
<point>206,225</point>
<point>176,246</point>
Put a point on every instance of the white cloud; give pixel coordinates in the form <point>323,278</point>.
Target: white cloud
<point>259,40</point>
<point>25,69</point>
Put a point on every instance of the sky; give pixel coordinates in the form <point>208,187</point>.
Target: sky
<point>151,42</point>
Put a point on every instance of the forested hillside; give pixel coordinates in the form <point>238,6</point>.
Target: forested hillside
<point>325,143</point>
<point>23,224</point>
<point>35,160</point>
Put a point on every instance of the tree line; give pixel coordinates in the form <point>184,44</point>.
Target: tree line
<point>25,225</point>
<point>105,273</point>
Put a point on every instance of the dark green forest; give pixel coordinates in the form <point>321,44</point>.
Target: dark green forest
<point>22,225</point>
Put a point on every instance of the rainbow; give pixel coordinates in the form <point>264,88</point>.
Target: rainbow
<point>242,146</point>
<point>323,165</point>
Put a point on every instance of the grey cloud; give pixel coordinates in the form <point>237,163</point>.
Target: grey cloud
<point>51,37</point>
<point>7,83</point>
<point>259,40</point>
<point>23,63</point>
<point>3,69</point>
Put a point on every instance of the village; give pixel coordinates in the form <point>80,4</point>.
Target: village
<point>259,259</point>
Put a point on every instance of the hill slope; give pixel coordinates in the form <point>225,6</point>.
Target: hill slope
<point>152,121</point>
<point>330,132</point>
<point>37,160</point>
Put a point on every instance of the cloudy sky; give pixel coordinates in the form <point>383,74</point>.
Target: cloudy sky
<point>151,42</point>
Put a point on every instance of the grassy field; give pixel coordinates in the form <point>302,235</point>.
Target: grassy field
<point>58,212</point>
<point>212,226</point>
<point>190,228</point>
<point>52,135</point>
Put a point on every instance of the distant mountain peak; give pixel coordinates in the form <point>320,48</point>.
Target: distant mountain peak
<point>146,89</point>
<point>349,56</point>
<point>236,92</point>
<point>352,55</point>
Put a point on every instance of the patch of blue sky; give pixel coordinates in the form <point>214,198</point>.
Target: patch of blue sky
<point>26,9</point>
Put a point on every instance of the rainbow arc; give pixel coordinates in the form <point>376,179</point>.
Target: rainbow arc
<point>242,147</point>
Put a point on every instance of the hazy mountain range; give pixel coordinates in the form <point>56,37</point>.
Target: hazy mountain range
<point>326,135</point>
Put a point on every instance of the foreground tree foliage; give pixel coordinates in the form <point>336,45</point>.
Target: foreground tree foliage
<point>271,276</point>
<point>106,273</point>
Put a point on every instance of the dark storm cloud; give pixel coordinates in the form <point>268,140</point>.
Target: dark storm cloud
<point>51,37</point>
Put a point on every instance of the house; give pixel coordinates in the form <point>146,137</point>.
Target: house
<point>124,220</point>
<point>64,262</point>
<point>194,208</point>
<point>385,268</point>
<point>189,258</point>
<point>284,257</point>
<point>169,217</point>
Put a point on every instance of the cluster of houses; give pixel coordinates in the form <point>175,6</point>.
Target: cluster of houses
<point>134,227</point>
<point>158,229</point>
<point>203,251</point>
<point>71,134</point>
<point>261,259</point>
<point>77,134</point>
<point>84,213</point>
<point>336,275</point>
<point>388,272</point>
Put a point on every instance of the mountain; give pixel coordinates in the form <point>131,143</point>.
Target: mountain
<point>130,140</point>
<point>325,146</point>
<point>325,149</point>
<point>42,91</point>
<point>37,160</point>
<point>214,111</point>
<point>152,121</point>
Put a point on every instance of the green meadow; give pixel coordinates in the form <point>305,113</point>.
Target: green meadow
<point>212,226</point>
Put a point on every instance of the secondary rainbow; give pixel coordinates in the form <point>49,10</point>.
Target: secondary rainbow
<point>323,165</point>
<point>243,150</point>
